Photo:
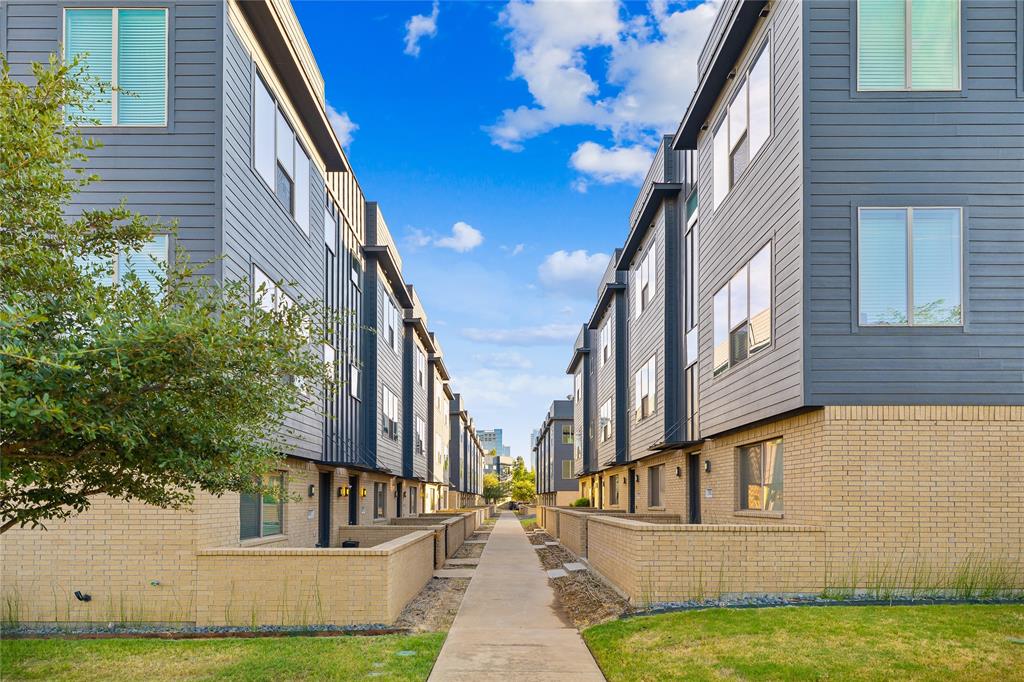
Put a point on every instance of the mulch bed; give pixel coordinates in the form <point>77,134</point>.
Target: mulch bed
<point>539,538</point>
<point>554,557</point>
<point>588,600</point>
<point>469,552</point>
<point>434,608</point>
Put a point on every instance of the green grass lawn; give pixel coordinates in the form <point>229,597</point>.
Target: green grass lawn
<point>969,642</point>
<point>153,660</point>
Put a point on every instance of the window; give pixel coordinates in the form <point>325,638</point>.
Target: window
<point>278,156</point>
<point>743,312</point>
<point>655,485</point>
<point>148,264</point>
<point>330,226</point>
<point>910,270</point>
<point>421,436</point>
<point>613,490</point>
<point>124,49</point>
<point>421,367</point>
<point>645,282</point>
<point>353,381</point>
<point>690,290</point>
<point>606,342</point>
<point>379,500</point>
<point>567,434</point>
<point>394,324</point>
<point>355,271</point>
<point>413,499</point>
<point>760,467</point>
<point>389,414</point>
<point>566,469</point>
<point>578,382</point>
<point>745,126</point>
<point>263,515</point>
<point>645,390</point>
<point>910,45</point>
<point>606,420</point>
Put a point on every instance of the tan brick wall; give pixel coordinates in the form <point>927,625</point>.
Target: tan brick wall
<point>244,586</point>
<point>668,562</point>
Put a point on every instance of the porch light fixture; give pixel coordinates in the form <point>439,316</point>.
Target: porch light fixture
<point>362,493</point>
<point>312,490</point>
<point>707,465</point>
<point>679,471</point>
<point>342,492</point>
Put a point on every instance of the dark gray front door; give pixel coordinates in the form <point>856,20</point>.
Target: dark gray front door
<point>325,509</point>
<point>632,491</point>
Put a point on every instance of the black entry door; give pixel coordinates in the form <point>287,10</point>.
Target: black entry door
<point>325,509</point>
<point>693,479</point>
<point>398,499</point>
<point>353,500</point>
<point>632,491</point>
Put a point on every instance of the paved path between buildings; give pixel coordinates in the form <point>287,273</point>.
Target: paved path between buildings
<point>509,626</point>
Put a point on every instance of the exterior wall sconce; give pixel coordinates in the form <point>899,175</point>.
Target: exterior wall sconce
<point>312,490</point>
<point>679,471</point>
<point>362,493</point>
<point>707,465</point>
<point>636,478</point>
<point>341,491</point>
<point>624,480</point>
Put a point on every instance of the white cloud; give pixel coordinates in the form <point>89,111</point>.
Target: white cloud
<point>342,124</point>
<point>510,389</point>
<point>573,272</point>
<point>518,249</point>
<point>417,237</point>
<point>509,359</point>
<point>552,333</point>
<point>464,237</point>
<point>618,164</point>
<point>420,26</point>
<point>651,68</point>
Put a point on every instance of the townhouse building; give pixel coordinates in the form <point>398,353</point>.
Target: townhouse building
<point>227,132</point>
<point>555,480</point>
<point>823,291</point>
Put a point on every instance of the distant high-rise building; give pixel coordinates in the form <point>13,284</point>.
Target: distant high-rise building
<point>491,439</point>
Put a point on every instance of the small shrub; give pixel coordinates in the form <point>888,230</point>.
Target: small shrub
<point>582,502</point>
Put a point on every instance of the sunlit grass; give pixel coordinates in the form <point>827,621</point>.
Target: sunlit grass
<point>960,642</point>
<point>152,660</point>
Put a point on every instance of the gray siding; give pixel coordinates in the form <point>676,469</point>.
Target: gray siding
<point>766,204</point>
<point>417,404</point>
<point>606,377</point>
<point>257,228</point>
<point>388,373</point>
<point>166,173</point>
<point>646,339</point>
<point>962,149</point>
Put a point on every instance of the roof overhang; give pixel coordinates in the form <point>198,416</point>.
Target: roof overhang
<point>577,357</point>
<point>422,331</point>
<point>441,369</point>
<point>603,302</point>
<point>658,192</point>
<point>731,43</point>
<point>674,445</point>
<point>269,28</point>
<point>389,265</point>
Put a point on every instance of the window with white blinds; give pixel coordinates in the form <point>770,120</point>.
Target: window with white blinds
<point>908,45</point>
<point>148,264</point>
<point>645,389</point>
<point>126,51</point>
<point>910,268</point>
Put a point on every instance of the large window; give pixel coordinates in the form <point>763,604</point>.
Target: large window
<point>566,469</point>
<point>908,45</point>
<point>760,467</point>
<point>578,384</point>
<point>910,266</point>
<point>645,281</point>
<point>613,490</point>
<point>393,322</point>
<point>743,312</point>
<point>421,436</point>
<point>421,367</point>
<point>278,157</point>
<point>380,501</point>
<point>567,434</point>
<point>147,264</point>
<point>125,49</point>
<point>690,285</point>
<point>656,486</point>
<point>606,420</point>
<point>389,413</point>
<point>645,389</point>
<point>414,497</point>
<point>330,225</point>
<point>746,125</point>
<point>606,342</point>
<point>263,515</point>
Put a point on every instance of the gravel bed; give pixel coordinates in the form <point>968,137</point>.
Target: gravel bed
<point>434,608</point>
<point>469,552</point>
<point>768,601</point>
<point>89,630</point>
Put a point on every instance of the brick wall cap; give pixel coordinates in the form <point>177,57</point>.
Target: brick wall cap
<point>383,549</point>
<point>648,527</point>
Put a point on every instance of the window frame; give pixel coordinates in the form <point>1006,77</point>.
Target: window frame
<point>381,488</point>
<point>962,324</point>
<point>605,422</point>
<point>567,464</point>
<point>742,76</point>
<point>645,277</point>
<point>114,60</point>
<point>656,502</point>
<point>298,148</point>
<point>606,342</point>
<point>567,433</point>
<point>908,54</point>
<point>282,476</point>
<point>739,453</point>
<point>750,351</point>
<point>646,375</point>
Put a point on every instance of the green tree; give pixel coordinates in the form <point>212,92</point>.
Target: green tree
<point>524,487</point>
<point>142,393</point>
<point>494,489</point>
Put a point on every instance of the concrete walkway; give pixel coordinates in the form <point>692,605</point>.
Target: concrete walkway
<point>509,626</point>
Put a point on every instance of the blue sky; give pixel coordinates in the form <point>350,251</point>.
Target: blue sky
<point>505,143</point>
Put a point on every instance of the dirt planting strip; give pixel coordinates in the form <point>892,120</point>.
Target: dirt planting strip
<point>588,600</point>
<point>434,608</point>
